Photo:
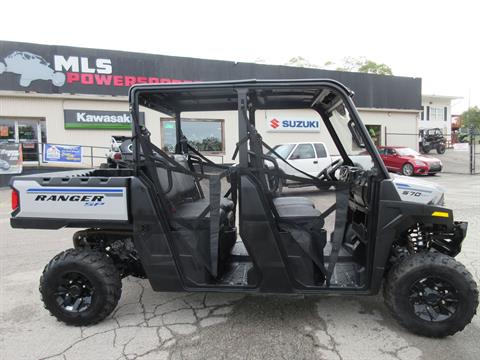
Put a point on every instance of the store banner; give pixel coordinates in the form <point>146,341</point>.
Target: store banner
<point>11,161</point>
<point>292,125</point>
<point>64,154</point>
<point>98,119</point>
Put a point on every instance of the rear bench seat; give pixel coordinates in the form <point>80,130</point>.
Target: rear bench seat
<point>184,193</point>
<point>193,233</point>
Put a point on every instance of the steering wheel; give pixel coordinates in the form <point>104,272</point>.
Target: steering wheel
<point>329,172</point>
<point>275,181</point>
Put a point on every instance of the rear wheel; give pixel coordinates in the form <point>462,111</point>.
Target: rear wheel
<point>80,286</point>
<point>431,294</point>
<point>407,169</point>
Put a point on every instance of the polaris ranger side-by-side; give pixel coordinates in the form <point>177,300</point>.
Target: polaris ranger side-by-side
<point>173,218</point>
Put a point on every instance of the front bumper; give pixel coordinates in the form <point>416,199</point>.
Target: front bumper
<point>435,168</point>
<point>450,243</point>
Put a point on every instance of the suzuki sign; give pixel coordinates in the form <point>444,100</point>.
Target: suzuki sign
<point>292,125</point>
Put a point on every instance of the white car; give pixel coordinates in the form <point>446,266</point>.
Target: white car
<point>30,67</point>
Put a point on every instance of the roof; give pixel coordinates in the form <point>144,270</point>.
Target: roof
<point>442,97</point>
<point>223,95</point>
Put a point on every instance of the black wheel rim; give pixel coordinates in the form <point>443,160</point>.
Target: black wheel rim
<point>433,299</point>
<point>74,292</point>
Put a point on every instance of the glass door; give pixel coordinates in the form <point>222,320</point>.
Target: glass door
<point>28,136</point>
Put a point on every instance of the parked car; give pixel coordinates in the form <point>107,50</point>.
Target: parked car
<point>408,162</point>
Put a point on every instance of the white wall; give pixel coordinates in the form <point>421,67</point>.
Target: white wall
<point>398,128</point>
<point>439,102</point>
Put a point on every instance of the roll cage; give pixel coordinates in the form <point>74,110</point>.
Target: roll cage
<point>322,95</point>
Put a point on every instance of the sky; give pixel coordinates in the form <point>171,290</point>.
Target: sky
<point>435,40</point>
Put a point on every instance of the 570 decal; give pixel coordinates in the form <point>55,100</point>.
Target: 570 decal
<point>412,193</point>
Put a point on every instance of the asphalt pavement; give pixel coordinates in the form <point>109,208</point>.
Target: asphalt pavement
<point>149,325</point>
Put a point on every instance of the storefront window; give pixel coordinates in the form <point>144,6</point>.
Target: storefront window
<point>28,132</point>
<point>204,135</point>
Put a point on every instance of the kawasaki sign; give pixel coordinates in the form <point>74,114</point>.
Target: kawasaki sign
<point>95,119</point>
<point>293,125</point>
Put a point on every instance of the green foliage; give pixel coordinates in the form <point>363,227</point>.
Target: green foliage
<point>362,64</point>
<point>372,67</point>
<point>359,64</point>
<point>300,61</point>
<point>471,118</point>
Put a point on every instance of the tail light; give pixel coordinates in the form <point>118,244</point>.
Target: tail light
<point>15,200</point>
<point>117,156</point>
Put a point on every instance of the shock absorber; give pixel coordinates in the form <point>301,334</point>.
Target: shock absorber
<point>417,239</point>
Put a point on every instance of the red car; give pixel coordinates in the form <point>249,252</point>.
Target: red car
<point>408,162</point>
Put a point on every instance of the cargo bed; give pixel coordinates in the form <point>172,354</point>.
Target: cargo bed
<point>77,198</point>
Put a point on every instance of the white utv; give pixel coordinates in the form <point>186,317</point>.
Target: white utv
<point>172,218</point>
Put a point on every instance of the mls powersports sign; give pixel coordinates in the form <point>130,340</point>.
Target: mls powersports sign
<point>293,125</point>
<point>59,69</point>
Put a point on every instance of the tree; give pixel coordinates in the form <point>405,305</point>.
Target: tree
<point>300,61</point>
<point>471,118</point>
<point>361,64</point>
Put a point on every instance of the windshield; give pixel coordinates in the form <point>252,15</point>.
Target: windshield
<point>407,152</point>
<point>282,150</point>
<point>351,139</point>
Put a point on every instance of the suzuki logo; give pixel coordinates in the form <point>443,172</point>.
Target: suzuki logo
<point>274,123</point>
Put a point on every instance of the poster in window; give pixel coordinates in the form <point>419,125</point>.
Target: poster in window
<point>11,161</point>
<point>3,131</point>
<point>63,154</point>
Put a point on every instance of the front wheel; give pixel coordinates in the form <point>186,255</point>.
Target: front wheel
<point>431,294</point>
<point>441,149</point>
<point>407,169</point>
<point>80,286</point>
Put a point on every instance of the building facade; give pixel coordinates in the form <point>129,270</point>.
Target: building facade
<point>437,113</point>
<point>76,96</point>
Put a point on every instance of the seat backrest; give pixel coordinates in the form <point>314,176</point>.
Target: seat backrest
<point>183,185</point>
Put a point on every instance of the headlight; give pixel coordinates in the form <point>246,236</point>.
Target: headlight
<point>419,163</point>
